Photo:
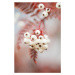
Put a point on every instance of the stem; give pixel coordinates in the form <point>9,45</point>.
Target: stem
<point>39,25</point>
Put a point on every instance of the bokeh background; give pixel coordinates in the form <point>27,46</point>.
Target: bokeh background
<point>50,60</point>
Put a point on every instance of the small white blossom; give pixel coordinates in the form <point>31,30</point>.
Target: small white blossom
<point>38,41</point>
<point>41,37</point>
<point>27,35</point>
<point>41,6</point>
<point>47,10</point>
<point>45,47</point>
<point>32,45</point>
<point>26,41</point>
<point>33,38</point>
<point>41,50</point>
<point>44,42</point>
<point>58,5</point>
<point>37,47</point>
<point>45,14</point>
<point>37,32</point>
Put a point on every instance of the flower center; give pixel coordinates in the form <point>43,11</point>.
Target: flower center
<point>40,6</point>
<point>47,9</point>
<point>37,32</point>
<point>32,38</point>
<point>26,34</point>
<point>32,46</point>
<point>43,14</point>
<point>58,5</point>
<point>39,45</point>
<point>25,42</point>
<point>40,37</point>
<point>43,43</point>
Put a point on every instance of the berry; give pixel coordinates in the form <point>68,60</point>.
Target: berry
<point>45,14</point>
<point>37,47</point>
<point>41,50</point>
<point>58,5</point>
<point>33,38</point>
<point>32,44</point>
<point>41,37</point>
<point>27,35</point>
<point>37,32</point>
<point>26,41</point>
<point>41,6</point>
<point>38,42</point>
<point>47,10</point>
<point>44,42</point>
<point>45,47</point>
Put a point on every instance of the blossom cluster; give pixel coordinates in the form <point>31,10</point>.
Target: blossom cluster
<point>37,41</point>
<point>45,13</point>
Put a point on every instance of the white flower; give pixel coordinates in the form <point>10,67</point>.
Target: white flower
<point>37,47</point>
<point>26,41</point>
<point>27,35</point>
<point>45,47</point>
<point>32,45</point>
<point>41,6</point>
<point>45,36</point>
<point>58,5</point>
<point>47,10</point>
<point>44,42</point>
<point>41,37</point>
<point>38,41</point>
<point>45,14</point>
<point>33,37</point>
<point>41,50</point>
<point>37,32</point>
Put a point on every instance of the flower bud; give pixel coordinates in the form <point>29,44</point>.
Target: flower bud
<point>47,10</point>
<point>26,41</point>
<point>32,45</point>
<point>45,47</point>
<point>33,37</point>
<point>27,35</point>
<point>38,41</point>
<point>41,50</point>
<point>45,14</point>
<point>41,37</point>
<point>44,42</point>
<point>37,32</point>
<point>58,5</point>
<point>41,6</point>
